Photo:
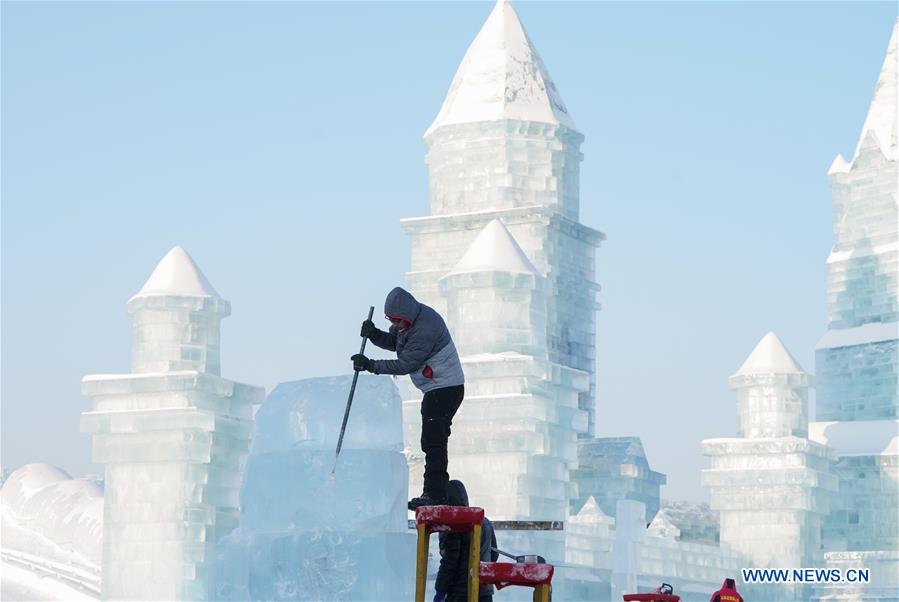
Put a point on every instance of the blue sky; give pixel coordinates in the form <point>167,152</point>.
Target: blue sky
<point>280,144</point>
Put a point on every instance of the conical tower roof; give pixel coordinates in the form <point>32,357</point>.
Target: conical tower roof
<point>494,249</point>
<point>769,357</point>
<point>883,114</point>
<point>502,77</point>
<point>177,274</point>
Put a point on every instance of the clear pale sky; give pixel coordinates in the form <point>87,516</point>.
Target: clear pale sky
<point>280,144</point>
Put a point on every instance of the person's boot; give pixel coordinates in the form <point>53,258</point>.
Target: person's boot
<point>426,499</point>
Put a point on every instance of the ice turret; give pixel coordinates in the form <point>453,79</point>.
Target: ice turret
<point>772,392</point>
<point>771,486</point>
<point>496,297</point>
<point>176,319</point>
<point>172,436</point>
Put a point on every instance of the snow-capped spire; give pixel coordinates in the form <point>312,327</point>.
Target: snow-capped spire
<point>883,114</point>
<point>177,275</point>
<point>502,77</point>
<point>769,357</point>
<point>495,249</point>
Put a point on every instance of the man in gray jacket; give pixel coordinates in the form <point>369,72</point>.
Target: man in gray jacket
<point>425,351</point>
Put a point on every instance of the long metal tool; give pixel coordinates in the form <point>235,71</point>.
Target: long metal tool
<point>349,401</point>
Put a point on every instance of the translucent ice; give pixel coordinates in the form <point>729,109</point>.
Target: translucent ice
<point>305,535</point>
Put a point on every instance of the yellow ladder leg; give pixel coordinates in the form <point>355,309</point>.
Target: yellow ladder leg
<point>421,564</point>
<point>541,593</point>
<point>474,564</point>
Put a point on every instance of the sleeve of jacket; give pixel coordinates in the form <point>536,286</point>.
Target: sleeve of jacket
<point>384,340</point>
<point>450,557</point>
<point>416,350</point>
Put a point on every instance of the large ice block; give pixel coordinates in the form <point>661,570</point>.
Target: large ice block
<point>306,534</point>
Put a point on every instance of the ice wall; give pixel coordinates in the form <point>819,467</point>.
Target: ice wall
<point>305,535</point>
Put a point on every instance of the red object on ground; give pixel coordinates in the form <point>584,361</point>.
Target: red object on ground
<point>651,598</point>
<point>503,574</point>
<point>444,519</point>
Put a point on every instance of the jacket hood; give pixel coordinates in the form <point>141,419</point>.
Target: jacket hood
<point>729,584</point>
<point>401,304</point>
<point>456,495</point>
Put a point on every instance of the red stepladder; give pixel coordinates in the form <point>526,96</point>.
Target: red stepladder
<point>526,574</point>
<point>448,519</point>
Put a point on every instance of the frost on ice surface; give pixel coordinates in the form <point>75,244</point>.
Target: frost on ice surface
<point>305,535</point>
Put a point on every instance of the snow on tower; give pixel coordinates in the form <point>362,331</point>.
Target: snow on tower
<point>771,485</point>
<point>172,435</point>
<point>857,359</point>
<point>505,146</point>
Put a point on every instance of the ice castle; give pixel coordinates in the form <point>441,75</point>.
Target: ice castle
<point>503,256</point>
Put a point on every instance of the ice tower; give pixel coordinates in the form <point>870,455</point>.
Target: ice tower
<point>504,146</point>
<point>771,484</point>
<point>857,358</point>
<point>503,256</point>
<point>172,435</point>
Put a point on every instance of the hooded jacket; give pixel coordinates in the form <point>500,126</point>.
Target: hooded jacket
<point>424,347</point>
<point>452,576</point>
<point>727,593</point>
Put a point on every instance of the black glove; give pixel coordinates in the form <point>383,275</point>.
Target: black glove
<point>360,363</point>
<point>368,329</point>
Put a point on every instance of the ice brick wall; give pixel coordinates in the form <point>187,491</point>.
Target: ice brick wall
<point>866,515</point>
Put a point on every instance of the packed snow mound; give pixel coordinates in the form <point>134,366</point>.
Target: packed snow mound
<point>25,481</point>
<point>47,512</point>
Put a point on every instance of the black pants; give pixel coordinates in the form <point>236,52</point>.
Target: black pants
<point>437,410</point>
